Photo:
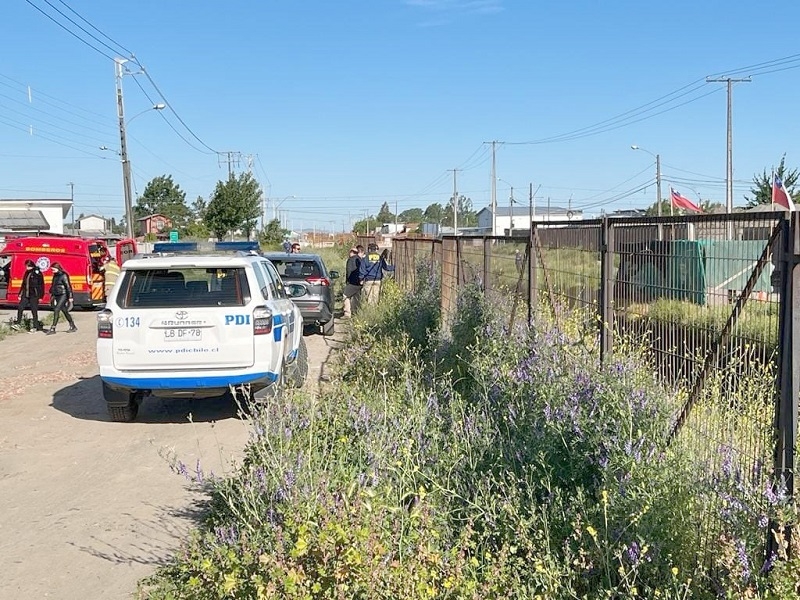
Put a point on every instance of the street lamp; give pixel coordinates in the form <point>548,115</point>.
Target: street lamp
<point>126,163</point>
<point>277,205</point>
<point>658,184</point>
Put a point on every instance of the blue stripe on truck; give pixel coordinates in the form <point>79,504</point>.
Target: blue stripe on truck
<point>179,383</point>
<point>277,324</point>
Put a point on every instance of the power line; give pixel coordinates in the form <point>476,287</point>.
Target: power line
<point>72,33</point>
<point>112,40</point>
<point>34,93</point>
<point>753,69</point>
<point>167,102</point>
<point>115,51</point>
<point>55,125</point>
<point>95,38</point>
<point>171,126</point>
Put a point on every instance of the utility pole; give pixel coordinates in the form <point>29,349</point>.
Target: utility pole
<point>123,147</point>
<point>232,157</point>
<point>532,204</point>
<point>455,201</point>
<point>729,155</point>
<point>511,213</point>
<point>494,184</point>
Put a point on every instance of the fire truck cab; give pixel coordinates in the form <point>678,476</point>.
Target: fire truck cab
<point>81,259</point>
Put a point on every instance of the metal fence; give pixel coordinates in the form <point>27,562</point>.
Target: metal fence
<point>710,297</point>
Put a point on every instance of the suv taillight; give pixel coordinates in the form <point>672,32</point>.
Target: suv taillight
<point>105,324</point>
<point>262,320</point>
<point>318,281</point>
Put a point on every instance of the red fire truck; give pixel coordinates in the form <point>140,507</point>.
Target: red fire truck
<point>81,259</point>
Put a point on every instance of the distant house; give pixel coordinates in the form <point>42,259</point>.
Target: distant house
<point>508,221</point>
<point>33,216</point>
<point>92,223</point>
<point>158,225</point>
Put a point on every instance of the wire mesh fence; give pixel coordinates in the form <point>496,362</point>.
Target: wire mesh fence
<point>708,297</point>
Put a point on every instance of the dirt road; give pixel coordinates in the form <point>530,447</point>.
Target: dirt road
<point>88,506</point>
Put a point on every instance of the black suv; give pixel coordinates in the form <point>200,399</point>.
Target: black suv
<point>310,285</point>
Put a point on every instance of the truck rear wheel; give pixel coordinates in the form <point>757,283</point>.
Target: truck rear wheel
<point>123,405</point>
<point>298,370</point>
<point>124,414</point>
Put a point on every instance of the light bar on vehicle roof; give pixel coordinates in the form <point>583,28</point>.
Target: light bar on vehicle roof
<point>200,247</point>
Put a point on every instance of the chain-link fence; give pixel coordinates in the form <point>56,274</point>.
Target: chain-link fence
<point>710,299</point>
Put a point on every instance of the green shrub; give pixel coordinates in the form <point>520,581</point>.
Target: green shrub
<point>477,463</point>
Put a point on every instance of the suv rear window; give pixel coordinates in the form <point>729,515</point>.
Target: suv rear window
<point>178,287</point>
<point>296,268</point>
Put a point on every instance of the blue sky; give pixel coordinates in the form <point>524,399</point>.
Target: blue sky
<point>345,105</point>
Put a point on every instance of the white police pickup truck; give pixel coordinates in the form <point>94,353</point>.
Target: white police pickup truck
<point>192,326</point>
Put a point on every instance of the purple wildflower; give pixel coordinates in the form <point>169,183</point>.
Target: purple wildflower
<point>633,553</point>
<point>744,561</point>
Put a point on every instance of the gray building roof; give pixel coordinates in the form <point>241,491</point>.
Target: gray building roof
<point>22,220</point>
<point>65,203</point>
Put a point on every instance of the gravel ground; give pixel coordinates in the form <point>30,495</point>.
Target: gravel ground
<point>91,506</point>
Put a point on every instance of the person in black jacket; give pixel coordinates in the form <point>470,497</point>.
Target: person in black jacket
<point>61,297</point>
<point>30,292</point>
<point>352,286</point>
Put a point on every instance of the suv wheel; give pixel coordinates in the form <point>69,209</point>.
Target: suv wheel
<point>123,406</point>
<point>124,414</point>
<point>327,328</point>
<point>298,370</point>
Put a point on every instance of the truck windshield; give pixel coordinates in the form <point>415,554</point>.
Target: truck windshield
<point>180,287</point>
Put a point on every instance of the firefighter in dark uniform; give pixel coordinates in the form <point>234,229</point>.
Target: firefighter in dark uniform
<point>30,292</point>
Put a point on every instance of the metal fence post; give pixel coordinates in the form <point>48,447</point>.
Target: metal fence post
<point>606,309</point>
<point>449,277</point>
<point>487,267</point>
<point>789,375</point>
<point>533,297</point>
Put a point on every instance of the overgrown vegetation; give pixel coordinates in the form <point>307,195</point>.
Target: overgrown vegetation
<point>479,463</point>
<point>758,321</point>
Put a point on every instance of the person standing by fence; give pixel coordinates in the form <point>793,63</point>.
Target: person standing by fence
<point>61,298</point>
<point>371,273</point>
<point>352,285</point>
<point>30,292</point>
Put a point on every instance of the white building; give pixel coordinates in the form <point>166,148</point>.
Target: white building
<point>92,223</point>
<point>508,221</point>
<point>33,216</point>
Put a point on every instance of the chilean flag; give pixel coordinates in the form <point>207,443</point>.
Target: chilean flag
<point>679,201</point>
<point>780,195</point>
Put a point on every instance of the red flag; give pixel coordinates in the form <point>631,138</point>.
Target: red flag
<point>780,195</point>
<point>679,201</point>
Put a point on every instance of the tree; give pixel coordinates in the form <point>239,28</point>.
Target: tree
<point>652,210</point>
<point>711,207</point>
<point>234,205</point>
<point>385,215</point>
<point>466,216</point>
<point>761,192</point>
<point>198,208</point>
<point>365,226</point>
<point>164,197</point>
<point>411,215</point>
<point>434,213</point>
<point>273,233</point>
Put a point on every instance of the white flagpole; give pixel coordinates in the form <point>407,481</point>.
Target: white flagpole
<point>772,189</point>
